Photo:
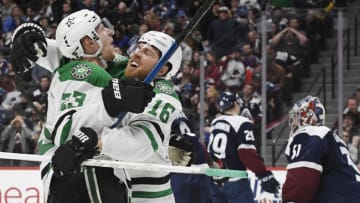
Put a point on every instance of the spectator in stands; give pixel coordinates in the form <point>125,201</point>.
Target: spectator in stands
<point>25,109</point>
<point>88,4</point>
<point>292,42</point>
<point>353,149</point>
<point>152,20</point>
<point>32,14</point>
<point>213,71</point>
<point>181,21</point>
<point>224,33</point>
<point>44,22</point>
<point>275,74</point>
<point>248,56</point>
<point>39,95</point>
<point>60,8</point>
<point>6,9</point>
<point>17,138</point>
<point>209,17</point>
<point>357,96</point>
<point>11,22</point>
<point>349,126</point>
<point>210,97</point>
<point>121,39</point>
<point>37,72</point>
<point>234,71</point>
<point>122,14</point>
<point>314,29</point>
<point>141,30</point>
<point>352,107</point>
<point>255,43</point>
<point>184,76</point>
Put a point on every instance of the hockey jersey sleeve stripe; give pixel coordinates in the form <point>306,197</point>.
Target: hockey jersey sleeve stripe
<point>305,164</point>
<point>150,136</point>
<point>58,122</point>
<point>156,126</point>
<point>246,146</point>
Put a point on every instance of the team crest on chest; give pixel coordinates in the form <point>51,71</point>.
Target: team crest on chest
<point>81,71</point>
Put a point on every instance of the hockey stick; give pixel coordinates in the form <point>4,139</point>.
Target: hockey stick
<point>135,166</point>
<point>181,37</point>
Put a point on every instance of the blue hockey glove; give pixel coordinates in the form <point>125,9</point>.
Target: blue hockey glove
<point>68,157</point>
<point>268,182</point>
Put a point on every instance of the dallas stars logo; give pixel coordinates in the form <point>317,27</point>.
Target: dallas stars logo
<point>81,71</point>
<point>70,22</point>
<point>165,88</point>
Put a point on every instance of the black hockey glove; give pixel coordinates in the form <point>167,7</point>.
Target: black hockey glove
<point>126,96</point>
<point>26,40</point>
<point>68,157</point>
<point>268,182</point>
<point>180,150</point>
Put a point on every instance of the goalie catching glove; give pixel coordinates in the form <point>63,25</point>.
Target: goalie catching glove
<point>180,150</point>
<point>268,182</point>
<point>68,157</point>
<point>27,39</point>
<point>126,96</point>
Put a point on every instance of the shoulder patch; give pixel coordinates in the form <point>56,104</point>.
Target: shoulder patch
<point>81,71</point>
<point>164,87</point>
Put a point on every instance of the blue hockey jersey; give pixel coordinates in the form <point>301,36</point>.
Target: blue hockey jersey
<point>318,151</point>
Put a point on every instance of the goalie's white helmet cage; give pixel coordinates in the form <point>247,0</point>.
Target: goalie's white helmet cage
<point>163,42</point>
<point>307,112</point>
<point>73,28</point>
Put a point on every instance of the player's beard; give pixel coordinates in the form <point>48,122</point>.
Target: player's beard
<point>137,73</point>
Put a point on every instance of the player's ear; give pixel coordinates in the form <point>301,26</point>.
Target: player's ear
<point>164,70</point>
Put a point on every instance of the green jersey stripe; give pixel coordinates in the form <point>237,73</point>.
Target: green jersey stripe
<point>149,195</point>
<point>150,136</point>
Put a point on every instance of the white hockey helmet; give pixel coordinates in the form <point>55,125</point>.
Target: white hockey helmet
<point>73,28</point>
<point>307,112</point>
<point>162,42</point>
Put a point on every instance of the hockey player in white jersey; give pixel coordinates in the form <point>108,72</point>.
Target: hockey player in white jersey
<point>79,90</point>
<point>320,168</point>
<point>145,137</point>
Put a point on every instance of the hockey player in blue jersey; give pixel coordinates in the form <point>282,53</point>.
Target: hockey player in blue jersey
<point>186,149</point>
<point>232,145</point>
<point>320,168</point>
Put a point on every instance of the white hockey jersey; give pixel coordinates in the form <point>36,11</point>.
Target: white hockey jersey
<point>145,138</point>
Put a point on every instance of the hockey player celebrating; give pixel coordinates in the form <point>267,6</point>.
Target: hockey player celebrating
<point>79,90</point>
<point>232,145</point>
<point>145,137</point>
<point>320,168</point>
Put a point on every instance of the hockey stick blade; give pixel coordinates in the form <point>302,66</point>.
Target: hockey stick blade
<point>135,166</point>
<point>165,57</point>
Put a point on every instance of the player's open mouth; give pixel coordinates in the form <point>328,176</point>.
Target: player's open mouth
<point>134,64</point>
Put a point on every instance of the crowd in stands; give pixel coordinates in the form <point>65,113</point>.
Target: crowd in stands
<point>229,38</point>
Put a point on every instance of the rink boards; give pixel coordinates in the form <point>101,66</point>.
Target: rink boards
<point>23,184</point>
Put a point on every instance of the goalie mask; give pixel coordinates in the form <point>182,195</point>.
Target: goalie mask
<point>307,112</point>
<point>163,42</point>
<point>73,28</point>
<point>226,101</point>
